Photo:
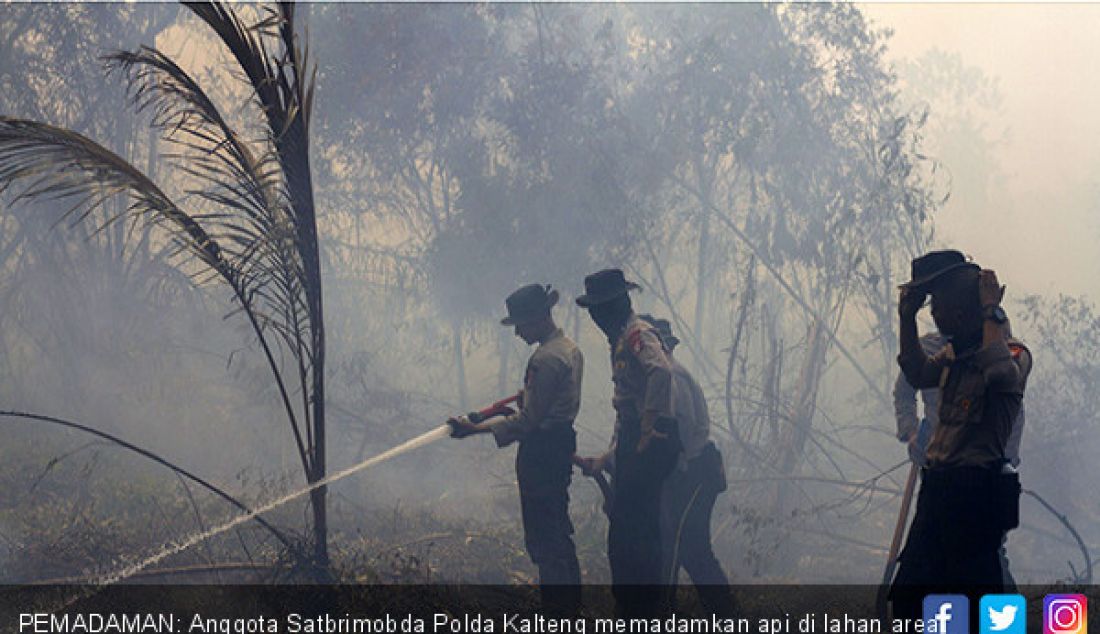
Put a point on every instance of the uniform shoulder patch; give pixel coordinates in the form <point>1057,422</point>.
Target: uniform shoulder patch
<point>1016,348</point>
<point>634,339</point>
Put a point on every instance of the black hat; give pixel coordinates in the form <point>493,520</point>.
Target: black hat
<point>664,330</point>
<point>530,303</point>
<point>930,266</point>
<point>604,286</point>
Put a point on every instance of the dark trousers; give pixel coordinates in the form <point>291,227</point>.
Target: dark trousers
<point>1006,572</point>
<point>634,533</point>
<point>954,542</point>
<point>687,504</point>
<point>543,469</point>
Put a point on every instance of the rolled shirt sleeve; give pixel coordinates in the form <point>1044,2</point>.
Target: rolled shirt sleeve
<point>998,368</point>
<point>919,369</point>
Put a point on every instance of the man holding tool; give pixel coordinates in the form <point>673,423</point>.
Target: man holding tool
<point>969,497</point>
<point>916,431</point>
<point>543,427</point>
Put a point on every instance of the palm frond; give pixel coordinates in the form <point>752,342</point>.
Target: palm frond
<point>52,163</point>
<point>247,47</point>
<point>187,115</point>
<point>283,87</point>
<point>254,224</point>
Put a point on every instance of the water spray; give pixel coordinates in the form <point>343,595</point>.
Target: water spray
<point>498,408</point>
<point>424,439</point>
<point>443,431</point>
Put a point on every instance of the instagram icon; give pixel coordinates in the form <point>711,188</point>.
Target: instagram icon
<point>1065,614</point>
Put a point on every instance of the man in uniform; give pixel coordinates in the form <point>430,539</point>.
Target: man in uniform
<point>645,443</point>
<point>692,489</point>
<point>967,498</point>
<point>915,432</point>
<point>543,426</point>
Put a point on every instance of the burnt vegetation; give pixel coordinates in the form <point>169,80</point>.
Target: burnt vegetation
<point>179,184</point>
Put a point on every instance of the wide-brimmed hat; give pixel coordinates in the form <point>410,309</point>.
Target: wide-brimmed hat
<point>604,286</point>
<point>931,266</point>
<point>664,330</point>
<point>530,303</point>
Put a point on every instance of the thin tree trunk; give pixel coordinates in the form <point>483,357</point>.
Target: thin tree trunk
<point>747,292</point>
<point>576,311</point>
<point>701,272</point>
<point>460,365</point>
<point>503,349</point>
<point>809,380</point>
<point>797,430</point>
<point>317,497</point>
<point>701,262</point>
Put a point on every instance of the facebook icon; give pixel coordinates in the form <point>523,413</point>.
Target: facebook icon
<point>946,614</point>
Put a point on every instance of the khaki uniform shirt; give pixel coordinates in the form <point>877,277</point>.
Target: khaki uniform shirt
<point>905,406</point>
<point>551,391</point>
<point>981,394</point>
<point>641,373</point>
<point>692,415</point>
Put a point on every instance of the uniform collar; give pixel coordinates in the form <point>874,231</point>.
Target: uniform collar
<point>554,334</point>
<point>966,349</point>
<point>626,326</point>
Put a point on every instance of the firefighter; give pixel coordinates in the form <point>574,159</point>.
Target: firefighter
<point>915,431</point>
<point>691,490</point>
<point>543,427</point>
<point>969,496</point>
<point>645,444</point>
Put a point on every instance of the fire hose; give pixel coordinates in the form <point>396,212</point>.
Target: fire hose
<point>501,408</point>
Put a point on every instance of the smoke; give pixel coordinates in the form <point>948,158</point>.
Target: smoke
<point>758,169</point>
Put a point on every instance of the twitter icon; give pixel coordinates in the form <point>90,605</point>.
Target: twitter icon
<point>1003,614</point>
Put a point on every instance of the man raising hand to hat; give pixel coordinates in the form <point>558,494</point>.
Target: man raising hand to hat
<point>968,499</point>
<point>544,429</point>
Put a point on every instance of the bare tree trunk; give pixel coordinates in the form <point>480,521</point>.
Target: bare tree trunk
<point>701,272</point>
<point>317,498</point>
<point>504,350</point>
<point>747,292</point>
<point>806,399</point>
<point>460,365</point>
<point>701,262</point>
<point>886,313</point>
<point>797,430</point>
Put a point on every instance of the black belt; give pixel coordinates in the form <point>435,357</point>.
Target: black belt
<point>962,476</point>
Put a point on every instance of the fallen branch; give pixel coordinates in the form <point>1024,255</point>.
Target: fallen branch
<point>1087,578</point>
<point>155,458</point>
